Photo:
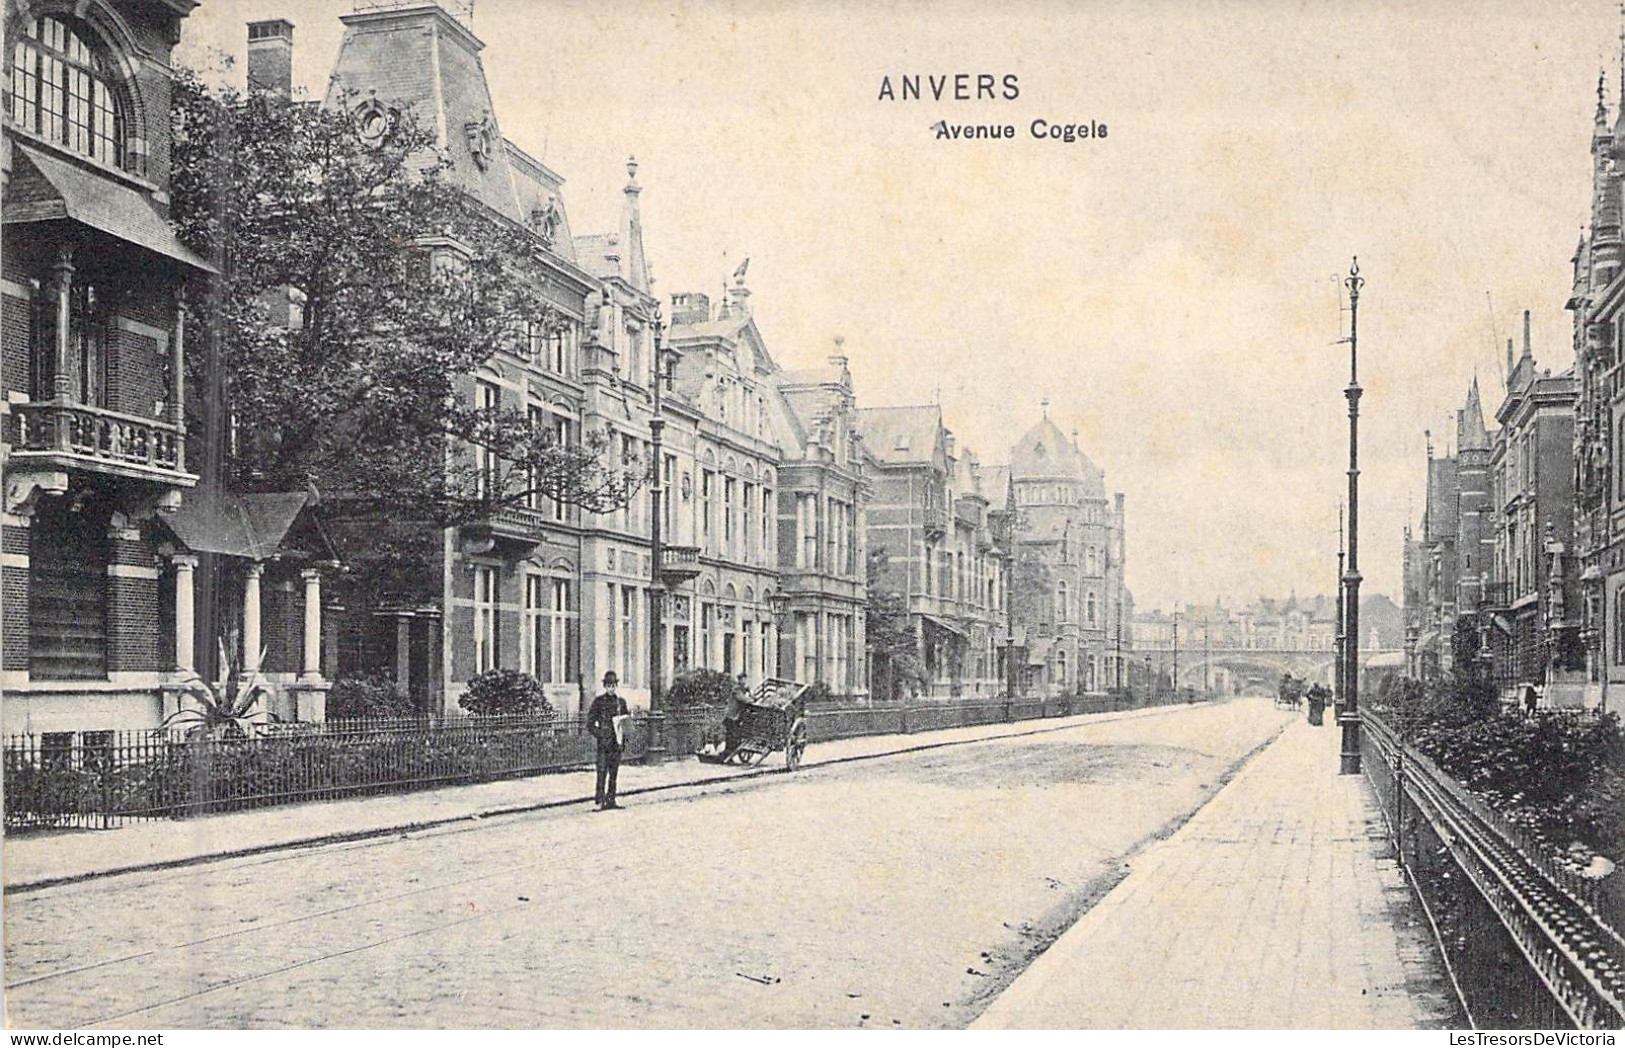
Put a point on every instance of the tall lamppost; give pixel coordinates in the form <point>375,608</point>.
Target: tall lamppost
<point>1119,661</point>
<point>1173,676</point>
<point>1207,660</point>
<point>657,491</point>
<point>1337,661</point>
<point>1349,718</point>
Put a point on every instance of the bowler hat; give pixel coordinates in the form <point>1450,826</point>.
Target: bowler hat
<point>610,678</point>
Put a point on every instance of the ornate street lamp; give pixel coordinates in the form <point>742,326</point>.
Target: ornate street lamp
<point>657,581</point>
<point>1349,718</point>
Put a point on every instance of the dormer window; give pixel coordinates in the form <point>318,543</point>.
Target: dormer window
<point>67,92</point>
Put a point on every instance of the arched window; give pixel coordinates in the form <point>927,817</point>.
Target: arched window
<point>1061,602</point>
<point>1091,608</point>
<point>1060,667</point>
<point>65,90</point>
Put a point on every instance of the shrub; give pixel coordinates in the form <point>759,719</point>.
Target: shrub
<point>505,692</point>
<point>367,697</point>
<point>1561,777</point>
<point>818,692</point>
<point>698,687</point>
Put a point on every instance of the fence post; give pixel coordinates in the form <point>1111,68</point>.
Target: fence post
<point>103,769</point>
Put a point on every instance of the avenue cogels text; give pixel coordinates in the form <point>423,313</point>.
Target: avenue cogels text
<point>980,87</point>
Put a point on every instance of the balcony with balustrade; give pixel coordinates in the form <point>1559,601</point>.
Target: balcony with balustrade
<point>512,531</point>
<point>935,519</point>
<point>1497,596</point>
<point>60,436</point>
<point>679,564</point>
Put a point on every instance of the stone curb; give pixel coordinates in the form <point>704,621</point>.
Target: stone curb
<point>347,836</point>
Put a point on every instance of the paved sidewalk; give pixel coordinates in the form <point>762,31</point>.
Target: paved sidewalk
<point>36,861</point>
<point>1277,906</point>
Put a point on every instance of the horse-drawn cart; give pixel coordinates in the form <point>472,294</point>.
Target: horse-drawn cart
<point>770,719</point>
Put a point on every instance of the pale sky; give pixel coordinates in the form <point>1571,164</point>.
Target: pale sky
<point>1168,288</point>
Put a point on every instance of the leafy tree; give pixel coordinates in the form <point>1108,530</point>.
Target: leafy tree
<point>891,636</point>
<point>343,349</point>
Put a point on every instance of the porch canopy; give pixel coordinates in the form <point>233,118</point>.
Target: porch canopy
<point>46,188</point>
<point>947,627</point>
<point>251,526</point>
<point>257,528</point>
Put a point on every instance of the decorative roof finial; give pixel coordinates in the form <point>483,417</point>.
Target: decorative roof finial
<point>838,359</point>
<point>632,168</point>
<point>1602,95</point>
<point>1045,405</point>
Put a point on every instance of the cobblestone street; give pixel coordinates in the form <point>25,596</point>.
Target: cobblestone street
<point>899,891</point>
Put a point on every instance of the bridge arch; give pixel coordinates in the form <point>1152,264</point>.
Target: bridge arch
<point>1232,666</point>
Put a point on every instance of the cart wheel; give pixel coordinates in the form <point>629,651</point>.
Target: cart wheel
<point>795,745</point>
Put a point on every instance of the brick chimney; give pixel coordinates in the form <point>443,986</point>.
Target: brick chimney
<point>690,307</point>
<point>270,56</point>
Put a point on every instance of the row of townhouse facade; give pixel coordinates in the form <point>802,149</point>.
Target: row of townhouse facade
<point>1492,584</point>
<point>129,567</point>
<point>1518,569</point>
<point>568,595</point>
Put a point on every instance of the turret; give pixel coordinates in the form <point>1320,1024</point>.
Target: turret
<point>1606,146</point>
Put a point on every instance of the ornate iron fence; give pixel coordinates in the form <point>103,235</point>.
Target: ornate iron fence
<point>1564,928</point>
<point>104,779</point>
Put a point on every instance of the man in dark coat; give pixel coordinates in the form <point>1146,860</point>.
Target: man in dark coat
<point>601,726</point>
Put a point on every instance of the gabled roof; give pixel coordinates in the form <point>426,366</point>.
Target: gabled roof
<point>723,327</point>
<point>253,526</point>
<point>901,434</point>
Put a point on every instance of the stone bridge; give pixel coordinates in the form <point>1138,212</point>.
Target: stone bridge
<point>1234,669</point>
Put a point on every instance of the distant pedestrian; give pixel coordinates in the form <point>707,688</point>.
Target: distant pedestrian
<point>733,716</point>
<point>606,722</point>
<point>1531,699</point>
<point>1317,705</point>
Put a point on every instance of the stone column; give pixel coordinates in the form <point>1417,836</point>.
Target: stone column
<point>311,665</point>
<point>185,567</point>
<point>251,616</point>
<point>61,285</point>
<point>177,381</point>
<point>403,654</point>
